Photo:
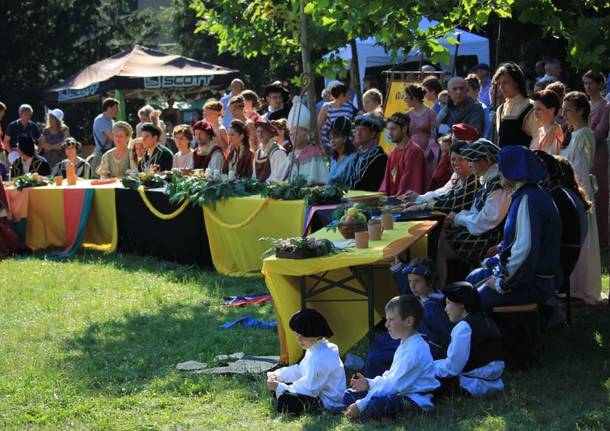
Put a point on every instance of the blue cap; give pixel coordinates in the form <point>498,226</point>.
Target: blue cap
<point>517,163</point>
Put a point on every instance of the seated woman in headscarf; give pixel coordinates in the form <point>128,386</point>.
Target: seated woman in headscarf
<point>306,159</point>
<point>28,161</point>
<point>526,268</point>
<point>70,148</point>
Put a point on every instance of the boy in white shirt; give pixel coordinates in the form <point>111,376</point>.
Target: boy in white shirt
<point>410,381</point>
<point>319,379</point>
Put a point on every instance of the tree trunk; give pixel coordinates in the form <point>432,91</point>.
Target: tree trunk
<point>355,73</point>
<point>307,74</point>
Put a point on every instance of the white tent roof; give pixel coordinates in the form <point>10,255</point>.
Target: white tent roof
<point>371,55</point>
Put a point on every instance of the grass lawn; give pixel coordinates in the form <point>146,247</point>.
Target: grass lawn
<point>92,344</point>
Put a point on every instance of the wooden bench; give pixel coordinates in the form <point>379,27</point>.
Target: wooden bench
<point>521,333</point>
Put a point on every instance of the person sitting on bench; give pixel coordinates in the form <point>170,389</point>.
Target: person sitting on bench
<point>469,233</point>
<point>527,267</point>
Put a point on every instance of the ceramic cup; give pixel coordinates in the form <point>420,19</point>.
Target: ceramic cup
<point>59,180</point>
<point>362,239</point>
<point>387,221</point>
<point>375,230</point>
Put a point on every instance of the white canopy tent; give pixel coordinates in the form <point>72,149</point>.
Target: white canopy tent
<point>370,54</point>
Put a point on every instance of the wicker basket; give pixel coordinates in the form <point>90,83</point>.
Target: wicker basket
<point>348,230</point>
<point>298,253</point>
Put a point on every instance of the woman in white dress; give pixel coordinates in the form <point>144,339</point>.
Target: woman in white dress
<point>585,281</point>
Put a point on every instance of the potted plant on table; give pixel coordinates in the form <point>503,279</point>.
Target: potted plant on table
<point>349,220</point>
<point>298,247</point>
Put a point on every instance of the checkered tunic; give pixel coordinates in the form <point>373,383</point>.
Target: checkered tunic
<point>469,247</point>
<point>458,198</point>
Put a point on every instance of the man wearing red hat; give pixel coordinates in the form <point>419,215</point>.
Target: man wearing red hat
<point>269,157</point>
<point>460,133</point>
<point>207,154</point>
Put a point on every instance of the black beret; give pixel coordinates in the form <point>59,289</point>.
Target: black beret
<point>462,292</point>
<point>310,323</point>
<point>150,128</point>
<point>27,145</point>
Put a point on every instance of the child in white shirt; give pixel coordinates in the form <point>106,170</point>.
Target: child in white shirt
<point>474,362</point>
<point>319,379</point>
<point>410,381</point>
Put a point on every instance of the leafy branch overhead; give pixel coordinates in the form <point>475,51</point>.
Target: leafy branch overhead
<point>270,27</point>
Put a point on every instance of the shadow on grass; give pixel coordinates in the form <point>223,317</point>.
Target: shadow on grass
<point>139,349</point>
<point>238,284</point>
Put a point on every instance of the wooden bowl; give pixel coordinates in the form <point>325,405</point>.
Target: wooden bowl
<point>348,230</point>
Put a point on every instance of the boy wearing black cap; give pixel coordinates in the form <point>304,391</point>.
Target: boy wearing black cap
<point>474,362</point>
<point>29,162</point>
<point>410,381</point>
<point>367,169</point>
<point>319,378</point>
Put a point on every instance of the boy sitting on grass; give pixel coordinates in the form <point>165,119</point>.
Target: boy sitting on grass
<point>410,381</point>
<point>318,378</point>
<point>415,279</point>
<point>474,362</point>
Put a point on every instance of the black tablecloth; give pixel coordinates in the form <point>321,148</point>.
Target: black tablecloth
<point>182,239</point>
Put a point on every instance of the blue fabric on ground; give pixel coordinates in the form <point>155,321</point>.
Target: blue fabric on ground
<point>250,322</point>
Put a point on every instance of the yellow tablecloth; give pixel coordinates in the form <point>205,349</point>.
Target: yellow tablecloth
<point>348,319</point>
<point>236,224</point>
<point>45,217</point>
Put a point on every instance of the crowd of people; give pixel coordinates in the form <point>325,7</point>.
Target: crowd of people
<point>519,171</point>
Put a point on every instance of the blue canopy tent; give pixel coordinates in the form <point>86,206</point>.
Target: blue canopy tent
<point>370,54</point>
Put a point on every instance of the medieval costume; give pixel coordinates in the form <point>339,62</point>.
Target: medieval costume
<point>586,277</point>
<point>526,269</point>
<point>475,357</point>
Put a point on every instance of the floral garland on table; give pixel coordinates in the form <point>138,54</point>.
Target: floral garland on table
<point>325,195</point>
<point>208,190</point>
<point>31,180</point>
<point>146,180</point>
<point>297,189</point>
<point>317,247</point>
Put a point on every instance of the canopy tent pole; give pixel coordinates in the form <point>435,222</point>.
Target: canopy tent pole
<point>118,95</point>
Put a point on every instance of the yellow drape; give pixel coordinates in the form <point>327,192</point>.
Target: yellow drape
<point>45,219</point>
<point>348,320</point>
<point>236,224</point>
<point>158,213</point>
<point>102,233</point>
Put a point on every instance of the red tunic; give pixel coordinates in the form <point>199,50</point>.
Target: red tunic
<point>407,169</point>
<point>442,173</point>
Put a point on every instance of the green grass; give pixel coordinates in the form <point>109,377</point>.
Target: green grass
<point>92,343</point>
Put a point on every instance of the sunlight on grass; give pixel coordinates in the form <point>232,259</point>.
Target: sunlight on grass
<point>92,343</point>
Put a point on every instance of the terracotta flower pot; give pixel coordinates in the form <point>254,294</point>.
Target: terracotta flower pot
<point>348,230</point>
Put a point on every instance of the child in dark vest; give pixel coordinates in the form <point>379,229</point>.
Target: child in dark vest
<point>319,379</point>
<point>474,362</point>
<point>415,279</point>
